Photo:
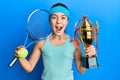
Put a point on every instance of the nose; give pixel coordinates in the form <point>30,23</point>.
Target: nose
<point>58,20</point>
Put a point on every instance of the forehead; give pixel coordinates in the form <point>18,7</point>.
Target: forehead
<point>58,14</point>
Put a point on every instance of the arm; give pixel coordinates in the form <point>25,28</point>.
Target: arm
<point>78,58</point>
<point>28,65</point>
<point>90,51</point>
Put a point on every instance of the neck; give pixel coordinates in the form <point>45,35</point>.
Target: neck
<point>58,37</point>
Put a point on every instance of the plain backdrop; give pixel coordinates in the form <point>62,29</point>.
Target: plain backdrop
<point>13,18</point>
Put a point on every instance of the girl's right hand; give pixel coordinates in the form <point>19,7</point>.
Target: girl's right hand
<point>21,52</point>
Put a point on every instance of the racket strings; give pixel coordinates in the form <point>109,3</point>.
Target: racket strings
<point>36,33</point>
<point>38,26</point>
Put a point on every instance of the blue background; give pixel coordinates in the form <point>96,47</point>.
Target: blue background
<point>13,18</point>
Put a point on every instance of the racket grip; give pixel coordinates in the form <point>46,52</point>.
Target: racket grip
<point>12,62</point>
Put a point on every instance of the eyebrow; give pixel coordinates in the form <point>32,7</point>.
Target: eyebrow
<point>61,15</point>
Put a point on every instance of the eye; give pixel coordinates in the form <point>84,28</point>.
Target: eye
<point>64,17</point>
<point>53,17</point>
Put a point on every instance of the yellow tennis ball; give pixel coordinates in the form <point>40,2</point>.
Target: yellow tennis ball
<point>22,53</point>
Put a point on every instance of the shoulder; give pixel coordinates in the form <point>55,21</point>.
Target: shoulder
<point>40,44</point>
<point>74,42</point>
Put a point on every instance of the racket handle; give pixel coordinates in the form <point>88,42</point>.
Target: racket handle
<point>12,62</point>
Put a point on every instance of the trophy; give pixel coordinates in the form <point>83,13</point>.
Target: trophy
<point>87,34</point>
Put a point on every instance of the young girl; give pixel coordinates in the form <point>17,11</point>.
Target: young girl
<point>57,50</point>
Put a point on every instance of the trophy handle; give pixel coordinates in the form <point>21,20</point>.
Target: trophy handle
<point>96,30</point>
<point>76,31</point>
<point>97,27</point>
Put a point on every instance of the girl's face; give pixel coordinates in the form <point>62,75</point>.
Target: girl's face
<point>58,22</point>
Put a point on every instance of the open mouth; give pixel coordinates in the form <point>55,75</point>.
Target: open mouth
<point>58,28</point>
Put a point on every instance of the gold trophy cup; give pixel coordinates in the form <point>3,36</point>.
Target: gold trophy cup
<point>87,35</point>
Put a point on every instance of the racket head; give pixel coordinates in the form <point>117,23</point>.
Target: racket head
<point>38,26</point>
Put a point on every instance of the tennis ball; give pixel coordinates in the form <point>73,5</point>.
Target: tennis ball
<point>22,53</point>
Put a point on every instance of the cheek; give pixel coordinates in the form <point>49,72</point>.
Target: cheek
<point>52,21</point>
<point>65,22</point>
<point>52,24</point>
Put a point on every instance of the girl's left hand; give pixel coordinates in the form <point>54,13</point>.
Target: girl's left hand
<point>90,51</point>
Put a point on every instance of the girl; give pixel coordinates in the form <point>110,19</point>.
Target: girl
<point>57,50</point>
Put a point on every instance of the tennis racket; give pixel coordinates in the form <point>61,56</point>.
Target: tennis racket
<point>37,29</point>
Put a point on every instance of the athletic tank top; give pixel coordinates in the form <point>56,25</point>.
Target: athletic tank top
<point>57,60</point>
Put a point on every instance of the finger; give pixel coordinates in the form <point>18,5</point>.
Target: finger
<point>15,53</point>
<point>90,54</point>
<point>87,50</point>
<point>22,46</point>
<point>92,49</point>
<point>19,47</point>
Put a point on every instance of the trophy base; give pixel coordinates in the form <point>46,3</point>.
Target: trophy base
<point>89,62</point>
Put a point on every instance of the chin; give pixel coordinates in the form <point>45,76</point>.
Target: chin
<point>59,33</point>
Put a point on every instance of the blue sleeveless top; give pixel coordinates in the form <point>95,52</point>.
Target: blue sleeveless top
<point>57,60</point>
